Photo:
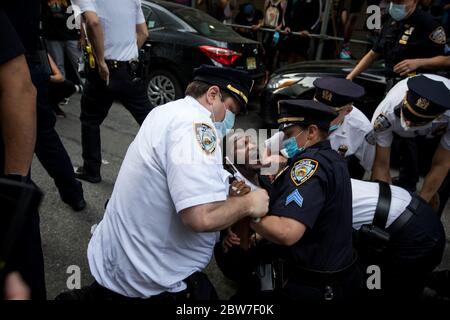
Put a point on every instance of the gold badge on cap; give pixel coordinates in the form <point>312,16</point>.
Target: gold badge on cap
<point>327,95</point>
<point>422,103</point>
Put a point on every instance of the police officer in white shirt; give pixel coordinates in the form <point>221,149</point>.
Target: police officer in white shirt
<point>418,106</point>
<point>170,197</point>
<point>349,131</point>
<point>406,239</point>
<point>116,29</point>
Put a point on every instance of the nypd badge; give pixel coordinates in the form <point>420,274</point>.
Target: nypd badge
<point>381,123</point>
<point>303,170</point>
<point>206,137</point>
<point>438,36</point>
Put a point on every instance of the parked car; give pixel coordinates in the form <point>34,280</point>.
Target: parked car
<point>295,81</point>
<point>183,38</point>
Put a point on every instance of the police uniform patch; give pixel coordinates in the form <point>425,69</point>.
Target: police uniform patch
<point>371,138</point>
<point>294,197</point>
<point>381,123</point>
<point>343,149</point>
<point>206,137</point>
<point>303,170</point>
<point>438,36</point>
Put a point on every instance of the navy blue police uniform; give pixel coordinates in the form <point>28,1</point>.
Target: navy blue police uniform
<point>417,36</point>
<point>315,190</point>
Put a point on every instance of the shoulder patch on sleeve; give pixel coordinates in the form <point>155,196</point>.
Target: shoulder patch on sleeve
<point>303,170</point>
<point>438,36</point>
<point>371,138</point>
<point>381,123</point>
<point>206,137</point>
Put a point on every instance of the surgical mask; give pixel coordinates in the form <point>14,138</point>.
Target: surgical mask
<point>397,11</point>
<point>290,147</point>
<point>334,127</point>
<point>226,124</point>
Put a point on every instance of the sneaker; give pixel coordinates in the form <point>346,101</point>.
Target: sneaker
<point>81,174</point>
<point>64,102</point>
<point>345,54</point>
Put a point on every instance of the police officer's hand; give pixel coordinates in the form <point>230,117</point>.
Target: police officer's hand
<point>103,71</point>
<point>259,203</point>
<point>407,66</point>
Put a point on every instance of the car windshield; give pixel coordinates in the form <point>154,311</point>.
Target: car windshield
<point>202,22</point>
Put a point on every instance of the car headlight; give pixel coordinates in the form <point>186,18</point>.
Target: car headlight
<point>284,81</point>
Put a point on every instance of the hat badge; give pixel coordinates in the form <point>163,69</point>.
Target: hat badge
<point>327,95</point>
<point>422,103</point>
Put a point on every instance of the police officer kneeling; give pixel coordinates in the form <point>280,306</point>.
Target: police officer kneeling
<point>398,232</point>
<point>309,225</point>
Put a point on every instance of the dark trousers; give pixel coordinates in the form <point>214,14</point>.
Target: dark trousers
<point>95,104</point>
<point>49,148</point>
<point>27,257</point>
<point>199,288</point>
<point>58,91</point>
<point>410,256</point>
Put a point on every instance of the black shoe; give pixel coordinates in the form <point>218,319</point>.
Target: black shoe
<point>78,205</point>
<point>81,174</point>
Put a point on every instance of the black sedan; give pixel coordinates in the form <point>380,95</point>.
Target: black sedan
<point>296,81</point>
<point>183,38</point>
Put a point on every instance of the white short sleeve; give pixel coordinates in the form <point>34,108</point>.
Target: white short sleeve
<point>445,141</point>
<point>139,13</point>
<point>194,167</point>
<point>85,5</point>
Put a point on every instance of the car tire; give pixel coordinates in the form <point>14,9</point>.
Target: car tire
<point>163,87</point>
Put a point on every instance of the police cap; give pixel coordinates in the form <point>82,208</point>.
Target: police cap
<point>305,112</point>
<point>337,92</point>
<point>425,100</point>
<point>237,83</point>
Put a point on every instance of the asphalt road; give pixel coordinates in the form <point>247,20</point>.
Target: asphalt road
<point>65,233</point>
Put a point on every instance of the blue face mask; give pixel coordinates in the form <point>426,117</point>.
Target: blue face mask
<point>290,147</point>
<point>334,127</point>
<point>397,11</point>
<point>226,124</point>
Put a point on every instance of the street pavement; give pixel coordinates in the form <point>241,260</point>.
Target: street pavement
<point>65,233</point>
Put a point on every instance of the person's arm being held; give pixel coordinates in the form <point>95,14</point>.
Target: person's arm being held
<point>437,173</point>
<point>380,170</point>
<point>17,115</point>
<point>365,63</point>
<point>280,230</point>
<point>219,216</point>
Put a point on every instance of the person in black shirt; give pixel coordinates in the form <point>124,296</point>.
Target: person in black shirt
<point>24,16</point>
<point>309,226</point>
<point>248,15</point>
<point>60,39</point>
<point>17,140</point>
<point>409,43</point>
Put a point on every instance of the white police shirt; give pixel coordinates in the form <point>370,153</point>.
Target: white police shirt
<point>385,122</point>
<point>365,199</point>
<point>141,247</point>
<point>118,19</point>
<point>349,139</point>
